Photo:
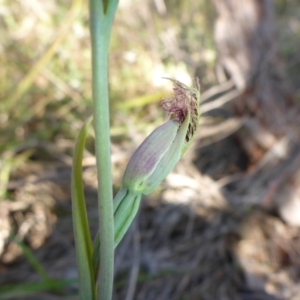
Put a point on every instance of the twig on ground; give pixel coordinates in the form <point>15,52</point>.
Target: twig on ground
<point>220,101</point>
<point>217,89</point>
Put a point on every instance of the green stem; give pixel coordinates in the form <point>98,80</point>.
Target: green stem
<point>100,25</point>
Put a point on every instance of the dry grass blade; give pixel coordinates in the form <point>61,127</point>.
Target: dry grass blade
<point>41,63</point>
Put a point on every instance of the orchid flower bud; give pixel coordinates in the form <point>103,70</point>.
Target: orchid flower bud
<point>155,158</point>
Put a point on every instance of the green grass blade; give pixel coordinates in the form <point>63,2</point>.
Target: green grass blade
<point>37,266</point>
<point>25,289</point>
<point>83,242</point>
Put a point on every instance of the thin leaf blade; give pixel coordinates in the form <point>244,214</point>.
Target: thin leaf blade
<point>83,242</point>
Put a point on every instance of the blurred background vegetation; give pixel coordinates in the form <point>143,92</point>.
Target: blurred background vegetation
<point>45,96</point>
